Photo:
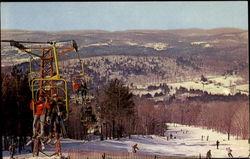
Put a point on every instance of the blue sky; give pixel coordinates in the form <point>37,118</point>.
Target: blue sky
<point>117,16</point>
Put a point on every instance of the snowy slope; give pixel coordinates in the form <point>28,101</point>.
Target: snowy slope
<point>187,143</point>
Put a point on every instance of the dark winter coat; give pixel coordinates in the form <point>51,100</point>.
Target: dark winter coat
<point>56,107</point>
<point>209,155</point>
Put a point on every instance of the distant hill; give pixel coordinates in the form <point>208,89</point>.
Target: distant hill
<point>221,48</point>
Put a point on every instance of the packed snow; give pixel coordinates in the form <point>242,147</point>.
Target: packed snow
<point>186,141</point>
<point>218,85</point>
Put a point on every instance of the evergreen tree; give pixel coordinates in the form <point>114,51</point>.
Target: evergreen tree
<point>116,108</point>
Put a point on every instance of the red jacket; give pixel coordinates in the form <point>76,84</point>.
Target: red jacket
<point>75,86</point>
<point>40,107</point>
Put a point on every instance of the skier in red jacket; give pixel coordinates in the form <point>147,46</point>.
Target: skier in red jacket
<point>76,87</point>
<point>40,112</point>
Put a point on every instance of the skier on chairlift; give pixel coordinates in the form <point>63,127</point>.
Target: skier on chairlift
<point>75,87</point>
<point>83,88</point>
<point>56,114</point>
<point>41,107</point>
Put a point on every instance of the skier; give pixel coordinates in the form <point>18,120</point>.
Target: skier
<point>207,137</point>
<point>83,88</point>
<point>40,111</point>
<point>55,116</point>
<point>12,150</point>
<point>88,110</point>
<point>75,87</point>
<point>217,144</point>
<point>19,144</point>
<point>201,137</point>
<point>134,147</point>
<point>229,152</point>
<point>209,155</point>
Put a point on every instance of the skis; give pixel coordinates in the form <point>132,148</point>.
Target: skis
<point>29,142</point>
<point>64,132</point>
<point>40,140</point>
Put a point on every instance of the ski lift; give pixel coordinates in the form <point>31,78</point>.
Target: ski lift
<point>88,115</point>
<point>81,76</point>
<point>48,80</point>
<point>80,82</point>
<point>32,75</point>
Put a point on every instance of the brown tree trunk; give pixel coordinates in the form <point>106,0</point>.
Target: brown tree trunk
<point>113,130</point>
<point>106,131</point>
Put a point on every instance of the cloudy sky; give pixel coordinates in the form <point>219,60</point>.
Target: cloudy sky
<point>117,16</point>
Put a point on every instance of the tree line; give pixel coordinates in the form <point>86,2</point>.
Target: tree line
<point>231,117</point>
<point>15,98</point>
<point>120,113</point>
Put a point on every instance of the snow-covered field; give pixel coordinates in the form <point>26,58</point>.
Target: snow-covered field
<point>187,143</point>
<point>219,85</point>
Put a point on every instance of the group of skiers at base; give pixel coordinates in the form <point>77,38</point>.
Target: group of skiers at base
<point>52,110</point>
<point>229,150</point>
<point>208,155</point>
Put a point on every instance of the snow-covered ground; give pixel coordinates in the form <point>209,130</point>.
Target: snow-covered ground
<point>187,143</point>
<point>220,85</point>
